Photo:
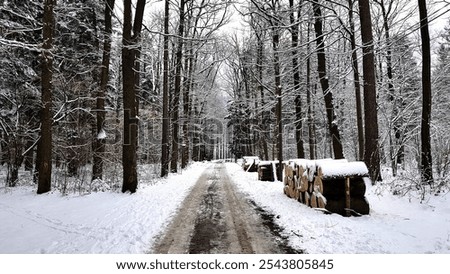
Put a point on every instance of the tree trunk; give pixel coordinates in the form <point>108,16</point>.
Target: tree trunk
<point>355,67</point>
<point>44,149</point>
<point>186,113</point>
<point>187,105</point>
<point>263,125</point>
<point>371,149</point>
<point>177,91</point>
<point>426,160</point>
<point>165,118</point>
<point>278,91</point>
<point>296,78</point>
<point>131,36</point>
<point>99,146</point>
<point>328,95</point>
<point>311,126</point>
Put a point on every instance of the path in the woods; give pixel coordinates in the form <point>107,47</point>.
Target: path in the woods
<point>215,218</point>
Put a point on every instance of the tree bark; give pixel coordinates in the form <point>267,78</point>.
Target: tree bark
<point>44,149</point>
<point>186,114</point>
<point>259,62</point>
<point>356,82</point>
<point>131,36</point>
<point>296,79</point>
<point>99,145</point>
<point>177,91</point>
<point>426,159</point>
<point>328,95</point>
<point>278,91</point>
<point>311,125</point>
<point>187,105</point>
<point>371,149</point>
<point>165,118</point>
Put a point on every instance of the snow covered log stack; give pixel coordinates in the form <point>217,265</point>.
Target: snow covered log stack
<point>335,186</point>
<point>250,163</point>
<point>267,171</point>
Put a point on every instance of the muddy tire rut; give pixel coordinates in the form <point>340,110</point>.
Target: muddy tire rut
<point>217,219</point>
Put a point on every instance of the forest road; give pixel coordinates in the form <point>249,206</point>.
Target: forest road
<point>217,219</point>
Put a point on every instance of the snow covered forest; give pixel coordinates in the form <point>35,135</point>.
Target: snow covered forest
<point>111,95</point>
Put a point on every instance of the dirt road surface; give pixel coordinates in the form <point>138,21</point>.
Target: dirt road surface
<point>217,219</point>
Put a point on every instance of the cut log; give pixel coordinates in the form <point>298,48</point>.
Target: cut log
<point>313,200</point>
<point>307,199</point>
<point>347,196</point>
<point>359,206</point>
<point>265,171</point>
<point>250,163</point>
<point>335,188</point>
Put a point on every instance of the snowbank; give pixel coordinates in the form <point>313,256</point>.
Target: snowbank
<point>395,225</point>
<point>100,222</point>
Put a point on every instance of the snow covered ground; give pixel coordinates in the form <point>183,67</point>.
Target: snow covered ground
<point>108,222</point>
<point>102,222</point>
<point>395,225</point>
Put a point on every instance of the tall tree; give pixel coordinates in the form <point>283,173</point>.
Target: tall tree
<point>371,147</point>
<point>426,159</point>
<point>177,89</point>
<point>44,150</point>
<point>130,40</point>
<point>165,114</point>
<point>296,78</point>
<point>323,77</point>
<point>278,91</point>
<point>99,144</point>
<point>260,33</point>
<point>310,118</point>
<point>356,82</point>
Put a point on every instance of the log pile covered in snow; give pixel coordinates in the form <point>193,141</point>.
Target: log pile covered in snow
<point>250,163</point>
<point>267,171</point>
<point>335,186</point>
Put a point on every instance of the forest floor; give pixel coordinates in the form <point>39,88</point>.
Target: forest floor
<point>216,218</point>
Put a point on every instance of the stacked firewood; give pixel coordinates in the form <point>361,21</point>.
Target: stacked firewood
<point>335,186</point>
<point>250,163</point>
<point>267,170</point>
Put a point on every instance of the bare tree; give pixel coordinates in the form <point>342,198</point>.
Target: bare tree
<point>177,89</point>
<point>131,38</point>
<point>356,82</point>
<point>371,147</point>
<point>323,77</point>
<point>296,77</point>
<point>99,143</point>
<point>44,150</point>
<point>426,159</point>
<point>165,114</point>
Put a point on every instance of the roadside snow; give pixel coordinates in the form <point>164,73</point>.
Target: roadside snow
<point>395,225</point>
<point>116,223</point>
<point>101,222</point>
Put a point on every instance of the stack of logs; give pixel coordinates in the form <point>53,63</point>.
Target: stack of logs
<point>267,171</point>
<point>335,186</point>
<point>250,163</point>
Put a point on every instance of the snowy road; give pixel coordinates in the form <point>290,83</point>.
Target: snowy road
<point>215,218</point>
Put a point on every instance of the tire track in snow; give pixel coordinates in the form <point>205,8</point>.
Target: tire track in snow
<point>215,218</point>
